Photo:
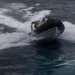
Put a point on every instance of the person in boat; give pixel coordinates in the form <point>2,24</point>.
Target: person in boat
<point>37,23</point>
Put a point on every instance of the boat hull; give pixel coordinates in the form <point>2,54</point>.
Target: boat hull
<point>50,34</point>
<point>52,23</point>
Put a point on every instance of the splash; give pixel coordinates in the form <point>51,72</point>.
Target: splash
<point>69,33</point>
<point>12,22</point>
<point>15,39</point>
<point>19,38</point>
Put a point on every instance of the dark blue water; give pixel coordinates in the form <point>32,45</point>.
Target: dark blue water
<point>21,54</point>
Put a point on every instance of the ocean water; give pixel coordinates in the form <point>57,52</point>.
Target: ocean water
<point>21,54</point>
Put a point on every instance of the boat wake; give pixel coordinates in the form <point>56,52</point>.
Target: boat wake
<point>12,15</point>
<point>23,13</point>
<point>20,36</point>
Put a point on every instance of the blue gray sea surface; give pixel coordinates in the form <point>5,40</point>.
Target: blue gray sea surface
<point>21,54</point>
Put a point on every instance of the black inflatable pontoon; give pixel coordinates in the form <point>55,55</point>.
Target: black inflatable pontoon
<point>50,29</point>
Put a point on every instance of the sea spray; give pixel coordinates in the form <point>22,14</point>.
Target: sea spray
<point>25,27</point>
<point>69,33</point>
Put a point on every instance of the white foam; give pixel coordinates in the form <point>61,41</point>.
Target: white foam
<point>68,24</point>
<point>40,14</point>
<point>37,4</point>
<point>10,21</point>
<point>69,33</point>
<point>15,39</point>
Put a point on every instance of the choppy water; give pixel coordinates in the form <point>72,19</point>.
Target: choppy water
<point>21,54</point>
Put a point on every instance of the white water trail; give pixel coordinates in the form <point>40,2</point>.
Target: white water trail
<point>15,39</point>
<point>25,27</point>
